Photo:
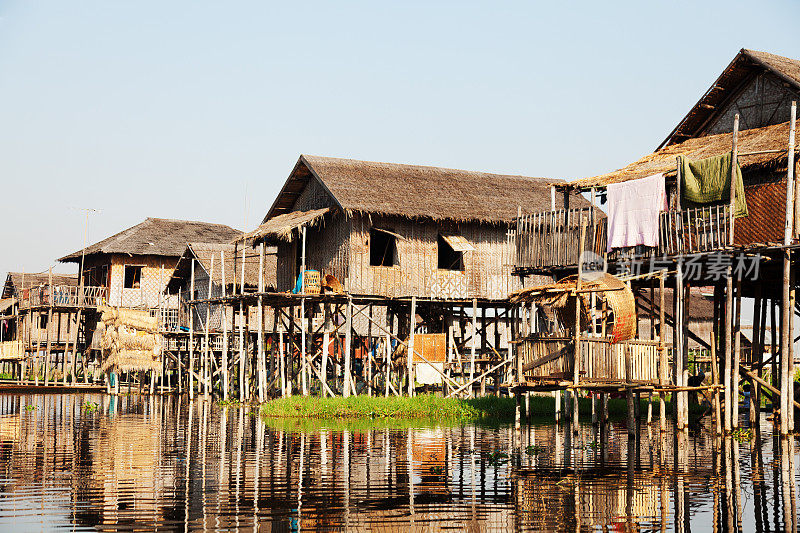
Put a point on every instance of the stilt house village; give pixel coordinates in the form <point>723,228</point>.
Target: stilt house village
<point>388,279</point>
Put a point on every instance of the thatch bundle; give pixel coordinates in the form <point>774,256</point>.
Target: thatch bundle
<point>620,319</point>
<point>130,340</point>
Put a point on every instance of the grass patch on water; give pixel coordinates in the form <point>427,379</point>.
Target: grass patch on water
<point>427,407</point>
<point>424,406</point>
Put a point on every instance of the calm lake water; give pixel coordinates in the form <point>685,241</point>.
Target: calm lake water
<point>91,462</point>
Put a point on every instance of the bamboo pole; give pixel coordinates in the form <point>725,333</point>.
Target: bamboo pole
<point>715,359</point>
<point>474,344</point>
<point>260,350</point>
<point>576,366</point>
<point>348,338</point>
<point>225,344</point>
<point>48,339</point>
<point>191,333</point>
<point>737,351</point>
<point>787,314</point>
<point>326,343</point>
<point>387,349</point>
<point>242,350</point>
<point>662,352</point>
<point>680,398</point>
<point>207,351</point>
<point>411,332</point>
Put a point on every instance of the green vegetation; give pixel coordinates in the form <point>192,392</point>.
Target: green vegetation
<point>427,408</point>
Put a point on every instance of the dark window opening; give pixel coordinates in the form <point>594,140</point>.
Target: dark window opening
<point>382,248</point>
<point>449,259</point>
<point>133,277</point>
<point>42,321</point>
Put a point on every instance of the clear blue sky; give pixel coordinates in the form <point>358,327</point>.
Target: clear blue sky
<point>174,109</point>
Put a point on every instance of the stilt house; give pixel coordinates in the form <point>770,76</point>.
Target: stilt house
<point>393,230</point>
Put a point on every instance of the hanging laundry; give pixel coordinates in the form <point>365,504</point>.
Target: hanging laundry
<point>633,208</point>
<point>708,181</point>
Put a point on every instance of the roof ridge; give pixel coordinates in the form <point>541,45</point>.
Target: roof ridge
<point>431,167</point>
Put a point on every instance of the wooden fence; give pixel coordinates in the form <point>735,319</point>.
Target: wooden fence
<point>11,350</point>
<point>552,238</point>
<point>552,358</point>
<point>700,229</point>
<point>62,296</point>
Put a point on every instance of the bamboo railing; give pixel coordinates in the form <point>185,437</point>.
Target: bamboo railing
<point>62,296</point>
<point>552,358</point>
<point>552,238</point>
<point>701,229</point>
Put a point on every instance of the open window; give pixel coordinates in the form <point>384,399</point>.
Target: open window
<point>133,277</point>
<point>382,248</point>
<point>450,252</point>
<point>43,321</point>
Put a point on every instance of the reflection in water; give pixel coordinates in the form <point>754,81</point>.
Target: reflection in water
<point>93,462</point>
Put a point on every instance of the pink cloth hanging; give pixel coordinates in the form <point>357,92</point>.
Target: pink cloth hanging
<point>633,208</point>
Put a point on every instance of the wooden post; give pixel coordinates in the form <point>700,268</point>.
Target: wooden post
<point>474,345</point>
<point>286,389</point>
<point>680,397</point>
<point>48,339</point>
<point>190,373</point>
<point>787,352</point>
<point>737,351</point>
<point>303,326</point>
<point>326,344</point>
<point>348,339</point>
<point>484,350</point>
<point>576,367</point>
<point>728,377</point>
<point>260,351</point>
<point>662,353</point>
<point>715,359</point>
<point>387,346</point>
<point>207,352</point>
<point>369,353</point>
<point>225,345</point>
<point>755,356</point>
<point>412,326</point>
<point>242,350</point>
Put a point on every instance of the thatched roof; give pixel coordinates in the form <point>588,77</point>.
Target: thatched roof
<point>415,191</point>
<point>664,160</point>
<point>282,226</point>
<point>203,252</point>
<point>560,296</point>
<point>14,281</point>
<point>158,236</point>
<point>6,304</point>
<point>745,65</point>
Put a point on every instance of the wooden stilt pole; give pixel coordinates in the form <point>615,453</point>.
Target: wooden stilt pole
<point>474,345</point>
<point>192,297</point>
<point>728,364</point>
<point>48,337</point>
<point>715,359</point>
<point>662,355</point>
<point>208,351</point>
<point>737,351</point>
<point>242,348</point>
<point>680,397</point>
<point>225,339</point>
<point>326,344</point>
<point>484,354</point>
<point>787,315</point>
<point>411,332</point>
<point>348,348</point>
<point>260,351</point>
<point>755,356</point>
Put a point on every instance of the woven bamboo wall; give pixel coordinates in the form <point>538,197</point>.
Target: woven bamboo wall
<point>153,281</point>
<point>326,251</point>
<point>486,274</point>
